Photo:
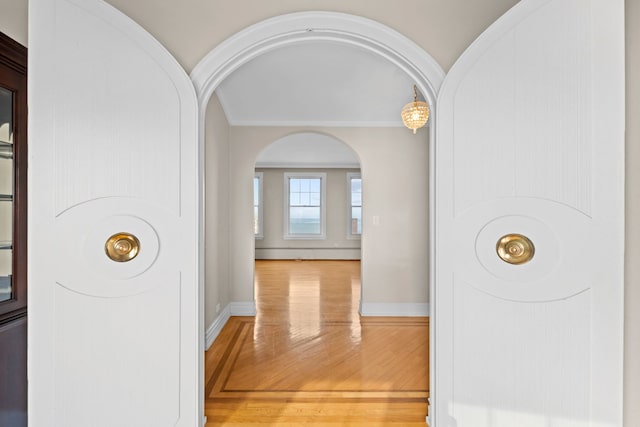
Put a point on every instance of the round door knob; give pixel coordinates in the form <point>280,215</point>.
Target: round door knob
<point>122,247</point>
<point>515,249</point>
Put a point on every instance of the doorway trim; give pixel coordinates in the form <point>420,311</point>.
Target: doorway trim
<point>302,27</point>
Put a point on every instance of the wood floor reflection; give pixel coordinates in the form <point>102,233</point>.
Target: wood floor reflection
<point>308,358</point>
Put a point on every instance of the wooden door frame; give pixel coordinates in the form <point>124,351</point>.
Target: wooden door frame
<point>305,27</point>
<point>13,312</point>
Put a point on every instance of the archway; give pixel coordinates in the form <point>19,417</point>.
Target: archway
<point>305,27</point>
<point>333,212</point>
<point>307,154</point>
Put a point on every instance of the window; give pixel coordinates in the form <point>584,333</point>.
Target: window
<point>257,205</point>
<point>304,205</point>
<point>354,190</point>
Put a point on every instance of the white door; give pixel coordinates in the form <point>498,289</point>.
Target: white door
<point>113,150</point>
<point>530,142</point>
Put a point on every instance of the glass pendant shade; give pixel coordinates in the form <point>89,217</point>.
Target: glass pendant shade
<point>415,114</point>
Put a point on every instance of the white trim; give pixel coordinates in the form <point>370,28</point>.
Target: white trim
<point>242,308</point>
<point>216,327</point>
<point>294,28</point>
<point>322,176</point>
<point>398,309</point>
<point>237,308</point>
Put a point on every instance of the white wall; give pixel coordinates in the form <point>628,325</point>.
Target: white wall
<point>632,262</point>
<point>336,245</point>
<point>216,211</point>
<point>191,28</point>
<point>13,19</point>
<point>444,28</point>
<point>395,189</point>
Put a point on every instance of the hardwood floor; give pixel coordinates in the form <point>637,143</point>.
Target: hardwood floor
<point>308,358</point>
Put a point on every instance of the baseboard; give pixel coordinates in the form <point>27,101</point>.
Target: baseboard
<point>242,308</point>
<point>394,309</point>
<point>308,253</point>
<point>216,326</point>
<point>236,308</point>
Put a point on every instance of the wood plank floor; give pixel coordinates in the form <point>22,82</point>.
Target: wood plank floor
<point>308,358</point>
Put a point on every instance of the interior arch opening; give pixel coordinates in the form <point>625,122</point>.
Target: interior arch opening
<point>393,160</point>
<point>348,92</point>
<point>308,206</point>
<point>307,199</point>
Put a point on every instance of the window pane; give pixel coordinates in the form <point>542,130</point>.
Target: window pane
<point>315,199</point>
<point>6,116</point>
<point>256,191</point>
<point>304,220</point>
<point>356,192</point>
<point>5,271</point>
<point>356,220</point>
<point>257,201</point>
<point>356,185</point>
<point>6,194</point>
<point>314,185</point>
<point>304,205</point>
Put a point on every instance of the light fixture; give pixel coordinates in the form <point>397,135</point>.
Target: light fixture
<point>415,114</point>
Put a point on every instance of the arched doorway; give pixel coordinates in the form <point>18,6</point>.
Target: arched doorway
<point>336,224</point>
<point>308,219</point>
<point>299,28</point>
<point>304,27</point>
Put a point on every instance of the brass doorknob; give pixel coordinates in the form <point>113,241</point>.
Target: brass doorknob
<point>122,247</point>
<point>515,249</point>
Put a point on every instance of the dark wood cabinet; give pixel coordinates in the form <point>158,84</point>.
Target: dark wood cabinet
<point>13,373</point>
<point>13,233</point>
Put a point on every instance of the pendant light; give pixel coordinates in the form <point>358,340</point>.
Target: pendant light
<point>415,114</point>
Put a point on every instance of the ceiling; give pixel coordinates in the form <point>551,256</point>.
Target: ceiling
<point>316,84</point>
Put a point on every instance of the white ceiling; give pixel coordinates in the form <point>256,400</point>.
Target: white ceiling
<point>308,150</point>
<point>316,84</point>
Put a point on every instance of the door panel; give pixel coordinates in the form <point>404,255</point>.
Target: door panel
<point>135,93</point>
<point>530,141</point>
<point>113,125</point>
